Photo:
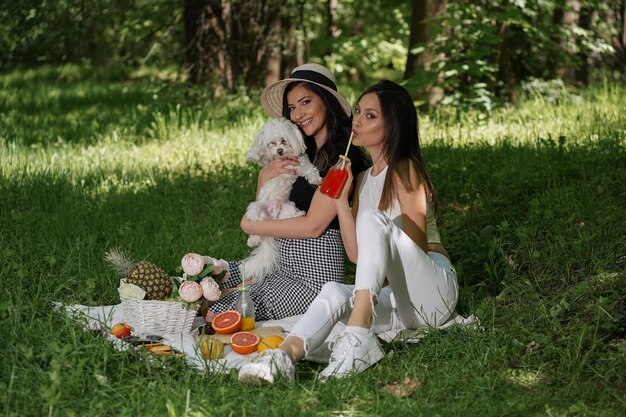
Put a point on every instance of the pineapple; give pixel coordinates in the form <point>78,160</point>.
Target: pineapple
<point>152,279</point>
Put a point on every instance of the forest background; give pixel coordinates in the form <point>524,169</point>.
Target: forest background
<point>464,53</point>
<point>126,123</point>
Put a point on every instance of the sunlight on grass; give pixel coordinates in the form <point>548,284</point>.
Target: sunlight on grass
<point>348,413</point>
<point>575,121</point>
<point>192,149</point>
<point>523,377</point>
<point>605,279</point>
<point>178,138</point>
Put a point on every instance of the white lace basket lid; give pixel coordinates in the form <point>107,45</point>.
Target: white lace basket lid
<point>159,316</point>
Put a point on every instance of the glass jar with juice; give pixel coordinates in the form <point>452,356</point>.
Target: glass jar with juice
<point>245,307</point>
<point>336,178</point>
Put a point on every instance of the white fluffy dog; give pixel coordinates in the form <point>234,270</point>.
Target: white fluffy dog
<point>278,138</point>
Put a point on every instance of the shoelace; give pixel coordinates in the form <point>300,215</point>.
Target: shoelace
<point>262,357</point>
<point>340,346</point>
<point>271,358</point>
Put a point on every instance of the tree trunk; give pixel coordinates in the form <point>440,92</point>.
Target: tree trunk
<point>332,31</point>
<point>506,65</point>
<point>290,47</point>
<point>623,41</point>
<point>619,41</point>
<point>417,36</point>
<point>232,42</point>
<point>192,16</point>
<point>581,73</point>
<point>303,51</point>
<point>422,10</point>
<point>222,22</point>
<point>274,62</point>
<point>623,28</point>
<point>569,17</point>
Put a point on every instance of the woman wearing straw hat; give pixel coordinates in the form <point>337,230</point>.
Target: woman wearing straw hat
<point>310,247</point>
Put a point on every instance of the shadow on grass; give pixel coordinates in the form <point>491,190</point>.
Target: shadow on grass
<point>55,232</point>
<point>48,109</point>
<point>546,214</point>
<point>51,110</point>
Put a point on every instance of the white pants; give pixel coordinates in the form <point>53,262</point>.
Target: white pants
<point>422,290</point>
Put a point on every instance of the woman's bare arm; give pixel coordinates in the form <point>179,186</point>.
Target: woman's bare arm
<point>413,205</point>
<point>313,224</point>
<point>347,217</point>
<point>275,168</point>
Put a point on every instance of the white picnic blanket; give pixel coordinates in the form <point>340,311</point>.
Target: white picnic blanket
<point>104,317</point>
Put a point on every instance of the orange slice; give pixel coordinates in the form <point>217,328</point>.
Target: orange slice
<point>244,342</point>
<point>270,342</point>
<point>227,322</point>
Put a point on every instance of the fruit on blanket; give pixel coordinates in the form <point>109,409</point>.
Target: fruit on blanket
<point>269,342</point>
<point>227,322</point>
<point>211,348</point>
<point>149,277</point>
<point>244,343</point>
<point>121,330</point>
<point>159,349</point>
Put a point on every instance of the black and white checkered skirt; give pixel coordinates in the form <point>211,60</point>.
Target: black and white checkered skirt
<point>305,265</point>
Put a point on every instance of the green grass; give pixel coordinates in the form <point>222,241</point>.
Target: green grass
<point>532,212</point>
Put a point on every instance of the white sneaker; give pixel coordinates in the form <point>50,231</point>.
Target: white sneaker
<point>352,353</point>
<point>267,366</point>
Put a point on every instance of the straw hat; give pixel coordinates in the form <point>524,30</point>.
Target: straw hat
<point>272,96</point>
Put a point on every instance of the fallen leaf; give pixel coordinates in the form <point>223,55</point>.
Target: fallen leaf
<point>102,379</point>
<point>532,347</point>
<point>308,403</point>
<point>402,389</point>
<point>618,344</point>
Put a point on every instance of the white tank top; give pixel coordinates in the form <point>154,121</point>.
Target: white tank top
<point>369,197</point>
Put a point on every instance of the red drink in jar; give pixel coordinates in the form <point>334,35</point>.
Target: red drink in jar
<point>336,178</point>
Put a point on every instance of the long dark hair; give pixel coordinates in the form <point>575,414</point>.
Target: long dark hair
<point>338,124</point>
<point>401,146</point>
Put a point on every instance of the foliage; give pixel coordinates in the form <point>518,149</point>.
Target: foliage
<point>242,42</point>
<point>532,214</point>
<point>111,32</point>
<point>369,40</point>
<point>471,36</point>
<point>552,91</point>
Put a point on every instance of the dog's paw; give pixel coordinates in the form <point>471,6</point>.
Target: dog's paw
<point>254,241</point>
<point>289,210</point>
<point>309,171</point>
<point>314,179</point>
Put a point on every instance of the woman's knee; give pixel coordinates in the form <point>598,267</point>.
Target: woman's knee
<point>334,293</point>
<point>372,219</point>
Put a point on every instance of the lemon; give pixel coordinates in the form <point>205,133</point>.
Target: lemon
<point>269,342</point>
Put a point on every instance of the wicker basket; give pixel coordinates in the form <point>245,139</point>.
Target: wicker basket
<point>159,316</point>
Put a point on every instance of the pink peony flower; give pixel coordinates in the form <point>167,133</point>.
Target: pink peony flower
<point>192,264</point>
<point>190,291</point>
<point>217,265</point>
<point>210,289</point>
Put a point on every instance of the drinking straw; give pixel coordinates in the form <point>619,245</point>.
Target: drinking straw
<point>349,143</point>
<point>243,275</point>
<point>345,156</point>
